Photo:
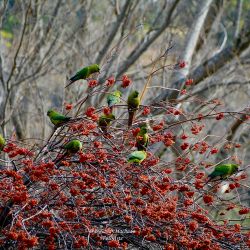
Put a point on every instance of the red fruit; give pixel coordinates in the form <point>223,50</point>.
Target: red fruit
<point>200,175</point>
<point>127,218</point>
<point>68,106</point>
<point>214,151</point>
<point>200,117</point>
<point>92,83</point>
<point>113,243</point>
<point>219,116</point>
<point>94,117</point>
<point>237,227</point>
<point>110,81</point>
<point>184,136</point>
<point>106,110</point>
<point>184,146</point>
<point>125,81</point>
<point>196,129</point>
<point>208,199</point>
<point>97,144</point>
<point>168,142</point>
<point>183,91</point>
<point>189,82</point>
<point>188,202</point>
<point>193,225</point>
<point>12,235</point>
<point>90,111</point>
<point>151,237</point>
<point>190,194</point>
<point>244,211</point>
<point>146,111</point>
<point>158,126</point>
<point>182,64</point>
<point>168,171</point>
<point>229,207</point>
<point>232,186</point>
<point>135,131</point>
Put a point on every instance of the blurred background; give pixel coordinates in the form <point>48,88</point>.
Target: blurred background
<point>42,43</point>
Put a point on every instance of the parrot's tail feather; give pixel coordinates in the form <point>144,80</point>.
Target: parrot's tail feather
<point>104,130</point>
<point>72,80</point>
<point>69,83</point>
<point>131,115</point>
<point>140,147</point>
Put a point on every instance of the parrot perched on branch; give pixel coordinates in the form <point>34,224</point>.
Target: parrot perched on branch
<point>114,98</point>
<point>84,73</point>
<point>137,156</point>
<point>2,142</point>
<point>56,118</point>
<point>133,104</point>
<point>142,138</point>
<point>223,171</point>
<point>104,121</point>
<point>73,146</point>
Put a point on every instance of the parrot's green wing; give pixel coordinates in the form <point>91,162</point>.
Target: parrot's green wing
<point>137,156</point>
<point>2,142</point>
<point>81,74</point>
<point>223,170</point>
<point>58,119</point>
<point>73,146</point>
<point>133,104</point>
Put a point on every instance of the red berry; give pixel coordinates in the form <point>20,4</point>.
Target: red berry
<point>90,111</point>
<point>106,110</point>
<point>189,82</point>
<point>92,83</point>
<point>214,151</point>
<point>146,111</point>
<point>208,198</point>
<point>184,136</point>
<point>244,211</point>
<point>183,92</point>
<point>219,116</point>
<point>110,81</point>
<point>182,64</point>
<point>68,106</point>
<point>184,146</point>
<point>125,81</point>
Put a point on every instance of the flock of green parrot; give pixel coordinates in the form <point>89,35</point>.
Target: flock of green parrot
<point>142,139</point>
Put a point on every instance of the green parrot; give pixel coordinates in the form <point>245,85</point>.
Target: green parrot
<point>137,156</point>
<point>84,73</point>
<point>142,138</point>
<point>104,121</point>
<point>73,146</point>
<point>114,98</point>
<point>133,104</point>
<point>2,142</point>
<point>223,171</point>
<point>56,118</point>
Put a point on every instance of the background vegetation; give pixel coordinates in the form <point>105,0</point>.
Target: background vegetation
<point>42,43</point>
